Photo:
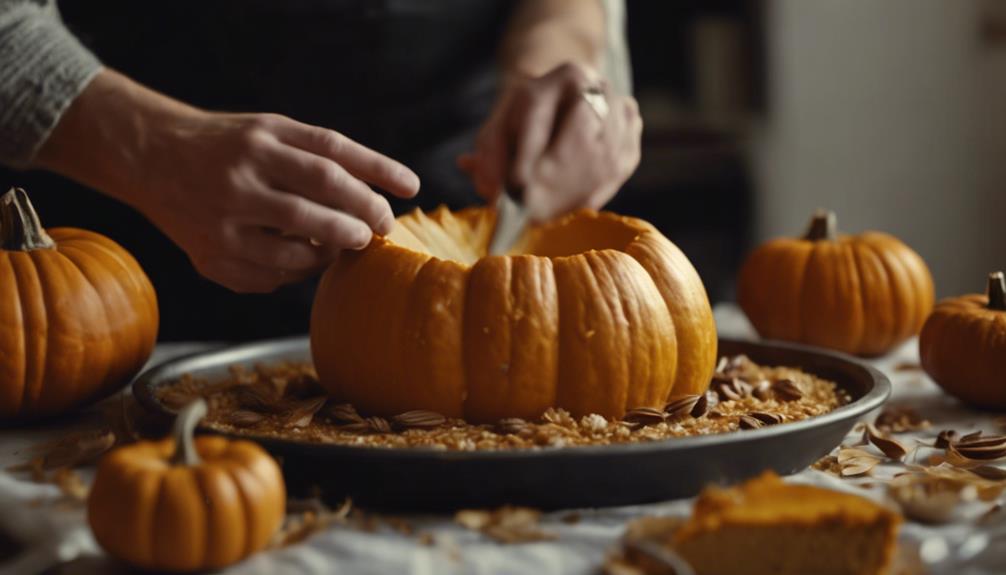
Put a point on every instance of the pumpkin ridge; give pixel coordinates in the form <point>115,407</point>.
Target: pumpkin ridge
<point>801,289</point>
<point>137,354</point>
<point>907,304</point>
<point>633,251</point>
<point>83,365</point>
<point>601,266</point>
<point>107,363</point>
<point>854,274</point>
<point>35,395</point>
<point>872,324</point>
<point>155,519</point>
<point>25,341</point>
<point>123,259</point>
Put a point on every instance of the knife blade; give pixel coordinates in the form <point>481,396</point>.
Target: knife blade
<point>512,219</point>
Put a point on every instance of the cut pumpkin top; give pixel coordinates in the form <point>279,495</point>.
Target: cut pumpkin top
<point>464,236</point>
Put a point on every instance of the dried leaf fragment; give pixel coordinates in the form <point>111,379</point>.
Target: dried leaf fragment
<point>890,447</point>
<point>900,419</point>
<point>855,462</point>
<point>508,524</point>
<point>78,448</point>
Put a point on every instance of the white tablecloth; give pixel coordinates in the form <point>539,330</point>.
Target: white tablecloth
<point>56,535</point>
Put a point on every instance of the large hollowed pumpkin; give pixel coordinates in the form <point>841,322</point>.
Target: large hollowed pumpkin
<point>861,294</point>
<point>186,505</point>
<point>78,316</point>
<point>963,345</point>
<point>594,312</point>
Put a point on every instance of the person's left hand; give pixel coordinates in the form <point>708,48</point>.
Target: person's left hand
<point>547,141</point>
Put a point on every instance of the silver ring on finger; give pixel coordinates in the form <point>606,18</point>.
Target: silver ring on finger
<point>594,95</point>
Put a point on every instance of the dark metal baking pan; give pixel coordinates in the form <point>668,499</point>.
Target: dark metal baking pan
<point>549,478</point>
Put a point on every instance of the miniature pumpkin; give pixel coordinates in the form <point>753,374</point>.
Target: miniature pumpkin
<point>78,317</point>
<point>184,505</point>
<point>593,312</point>
<point>963,345</point>
<point>860,294</point>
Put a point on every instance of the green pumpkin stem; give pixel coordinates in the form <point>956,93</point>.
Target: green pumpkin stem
<point>997,291</point>
<point>823,226</point>
<point>20,228</point>
<point>183,430</point>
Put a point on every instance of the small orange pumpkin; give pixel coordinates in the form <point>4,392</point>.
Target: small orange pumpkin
<point>593,312</point>
<point>860,294</point>
<point>78,316</point>
<point>184,505</point>
<point>963,345</point>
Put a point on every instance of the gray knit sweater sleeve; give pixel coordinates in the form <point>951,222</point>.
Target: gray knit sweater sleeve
<point>42,69</point>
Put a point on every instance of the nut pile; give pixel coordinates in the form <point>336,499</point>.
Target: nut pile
<point>284,400</point>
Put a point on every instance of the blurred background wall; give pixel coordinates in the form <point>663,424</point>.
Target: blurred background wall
<point>892,113</point>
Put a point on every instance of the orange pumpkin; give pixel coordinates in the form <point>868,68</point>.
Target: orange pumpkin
<point>184,505</point>
<point>594,312</point>
<point>963,345</point>
<point>860,294</point>
<point>78,317</point>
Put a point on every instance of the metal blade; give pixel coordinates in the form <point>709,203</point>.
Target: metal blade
<point>511,220</point>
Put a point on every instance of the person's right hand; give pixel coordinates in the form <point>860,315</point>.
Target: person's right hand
<point>255,200</point>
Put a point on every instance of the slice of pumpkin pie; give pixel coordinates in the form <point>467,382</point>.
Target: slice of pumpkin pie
<point>766,526</point>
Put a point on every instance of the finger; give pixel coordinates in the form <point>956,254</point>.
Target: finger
<point>245,277</point>
<point>274,251</point>
<point>299,216</point>
<point>327,183</point>
<point>359,160</point>
<point>533,129</point>
<point>572,168</point>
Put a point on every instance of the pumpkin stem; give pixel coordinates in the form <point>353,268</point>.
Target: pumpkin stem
<point>185,425</point>
<point>997,291</point>
<point>823,226</point>
<point>20,228</point>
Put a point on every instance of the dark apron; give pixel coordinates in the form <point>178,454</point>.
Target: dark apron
<point>412,79</point>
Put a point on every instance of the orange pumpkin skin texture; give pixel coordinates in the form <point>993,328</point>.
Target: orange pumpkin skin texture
<point>594,313</point>
<point>860,294</point>
<point>156,513</point>
<point>963,346</point>
<point>78,317</point>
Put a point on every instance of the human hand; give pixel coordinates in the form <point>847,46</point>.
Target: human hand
<point>259,200</point>
<point>545,139</point>
<point>255,200</point>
